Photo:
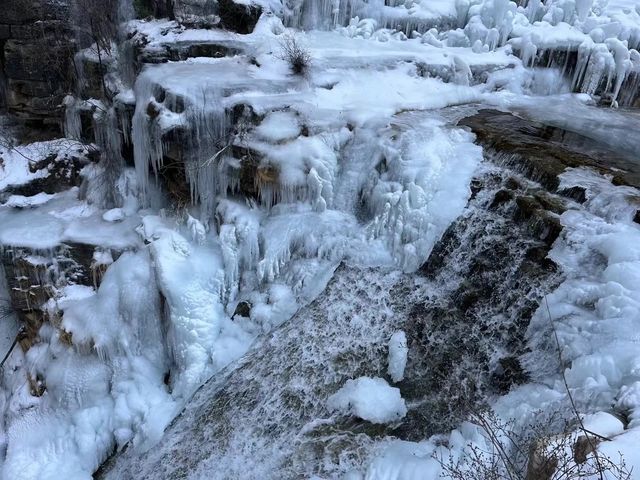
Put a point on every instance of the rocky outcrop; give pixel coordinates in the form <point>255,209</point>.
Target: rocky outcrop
<point>36,51</point>
<point>230,15</point>
<point>196,13</point>
<point>155,8</point>
<point>34,275</point>
<point>238,17</point>
<point>33,278</point>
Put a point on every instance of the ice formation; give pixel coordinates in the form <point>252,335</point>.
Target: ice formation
<point>398,351</point>
<point>121,387</point>
<point>594,312</point>
<point>418,194</point>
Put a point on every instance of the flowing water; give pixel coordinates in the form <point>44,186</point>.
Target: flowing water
<point>465,314</point>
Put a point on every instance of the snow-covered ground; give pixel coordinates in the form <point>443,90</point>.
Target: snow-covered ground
<point>358,161</point>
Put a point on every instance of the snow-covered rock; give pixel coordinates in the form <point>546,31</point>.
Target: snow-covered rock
<point>371,399</point>
<point>277,180</point>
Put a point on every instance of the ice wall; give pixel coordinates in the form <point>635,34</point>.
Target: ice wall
<point>404,16</point>
<point>105,391</point>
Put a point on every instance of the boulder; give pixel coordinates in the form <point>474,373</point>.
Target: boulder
<point>238,17</point>
<point>197,13</point>
<point>63,173</point>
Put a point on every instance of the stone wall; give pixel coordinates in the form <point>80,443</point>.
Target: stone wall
<point>36,49</point>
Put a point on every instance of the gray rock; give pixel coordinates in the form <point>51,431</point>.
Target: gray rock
<point>241,18</point>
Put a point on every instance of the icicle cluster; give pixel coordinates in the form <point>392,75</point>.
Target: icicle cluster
<point>201,128</point>
<point>604,67</point>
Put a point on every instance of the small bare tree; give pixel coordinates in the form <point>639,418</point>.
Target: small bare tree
<point>295,54</point>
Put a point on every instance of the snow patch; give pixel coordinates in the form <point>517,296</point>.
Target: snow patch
<point>371,399</point>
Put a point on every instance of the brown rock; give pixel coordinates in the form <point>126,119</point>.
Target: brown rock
<point>501,196</point>
<point>542,152</point>
<point>541,465</point>
<point>584,446</point>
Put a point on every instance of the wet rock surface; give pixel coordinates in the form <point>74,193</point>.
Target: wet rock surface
<point>239,17</point>
<point>542,152</point>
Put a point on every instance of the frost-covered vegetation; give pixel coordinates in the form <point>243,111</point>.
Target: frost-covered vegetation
<point>269,243</point>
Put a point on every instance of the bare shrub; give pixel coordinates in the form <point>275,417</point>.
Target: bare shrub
<point>548,449</point>
<point>295,54</point>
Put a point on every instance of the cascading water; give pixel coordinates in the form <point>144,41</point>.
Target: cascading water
<point>464,323</point>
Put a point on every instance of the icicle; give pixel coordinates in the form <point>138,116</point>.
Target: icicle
<point>145,131</point>
<point>631,87</point>
<point>197,230</point>
<point>208,140</point>
<point>599,68</point>
<point>125,123</point>
<point>231,258</point>
<point>462,10</point>
<point>622,60</point>
<point>533,9</point>
<point>462,73</point>
<point>493,38</point>
<point>72,121</point>
<point>583,7</point>
<point>584,52</point>
<point>314,185</point>
<point>104,186</point>
<point>528,51</point>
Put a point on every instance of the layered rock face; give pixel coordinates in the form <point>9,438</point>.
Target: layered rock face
<point>36,51</point>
